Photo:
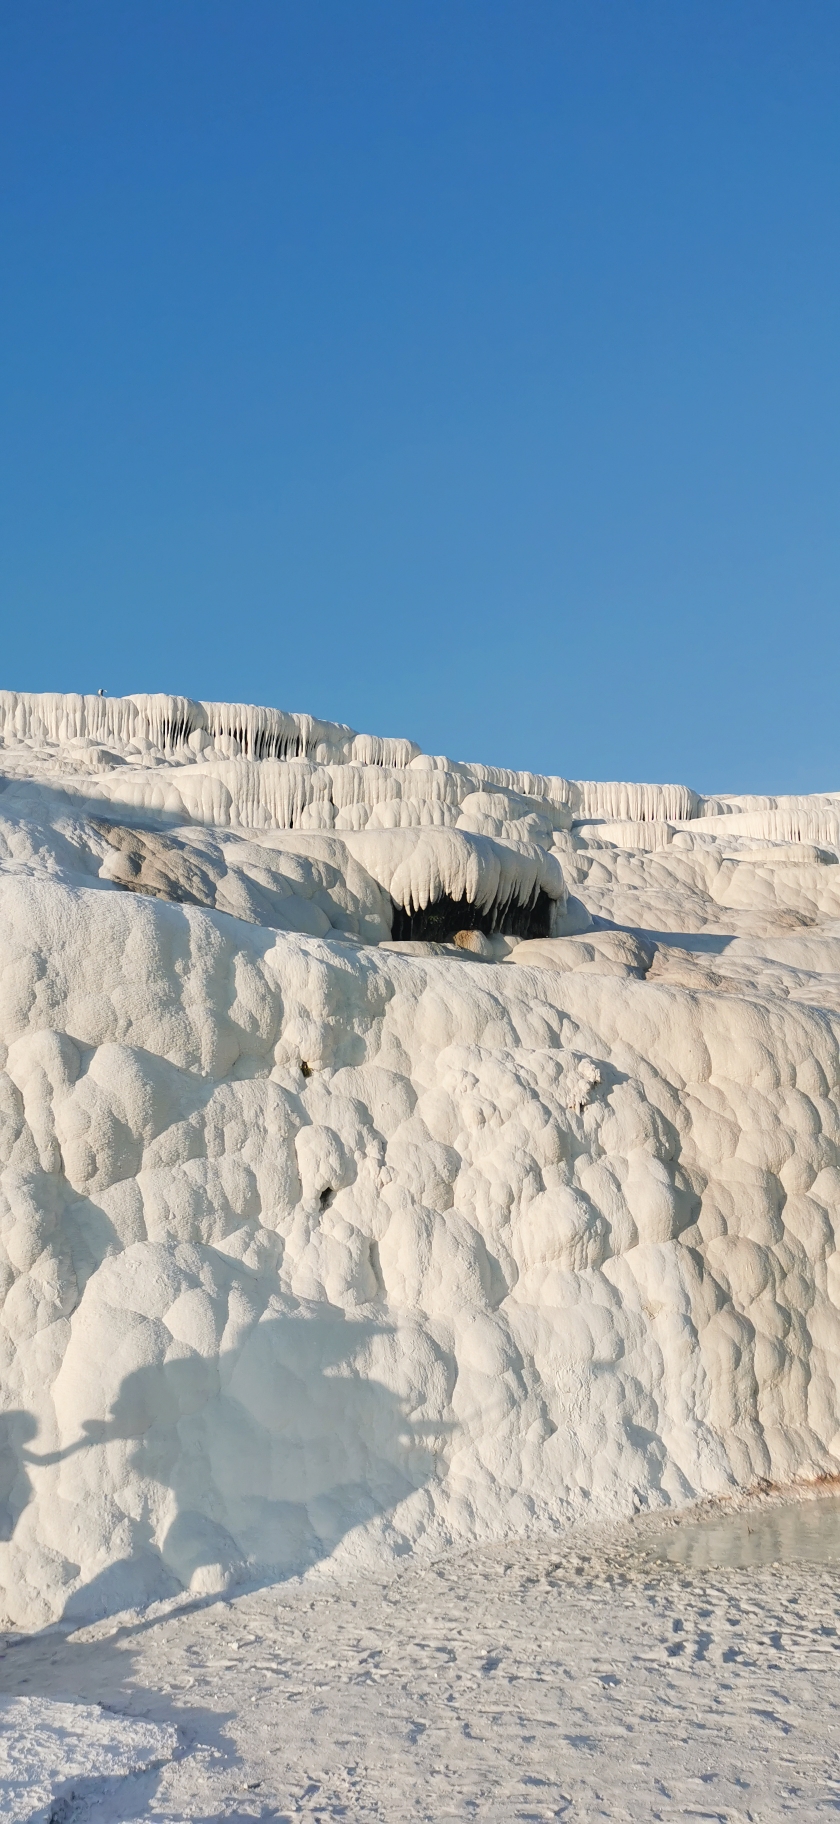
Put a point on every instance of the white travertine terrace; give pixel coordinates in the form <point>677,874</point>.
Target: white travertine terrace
<point>324,1237</point>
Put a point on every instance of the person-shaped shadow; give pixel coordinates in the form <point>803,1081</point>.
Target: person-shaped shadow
<point>254,1464</point>
<point>16,1430</point>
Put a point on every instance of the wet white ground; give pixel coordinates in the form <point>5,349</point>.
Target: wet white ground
<point>679,1670</point>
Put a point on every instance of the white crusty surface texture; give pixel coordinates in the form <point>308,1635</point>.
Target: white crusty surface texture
<point>675,1670</point>
<point>315,1252</point>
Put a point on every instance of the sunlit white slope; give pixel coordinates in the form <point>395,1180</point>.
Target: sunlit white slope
<point>314,1251</point>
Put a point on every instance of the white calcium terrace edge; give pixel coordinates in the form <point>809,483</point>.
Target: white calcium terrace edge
<point>320,1249</point>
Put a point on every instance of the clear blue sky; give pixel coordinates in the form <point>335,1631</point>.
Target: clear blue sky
<point>452,368</point>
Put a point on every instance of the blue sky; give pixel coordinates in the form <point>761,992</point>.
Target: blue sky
<point>467,370</point>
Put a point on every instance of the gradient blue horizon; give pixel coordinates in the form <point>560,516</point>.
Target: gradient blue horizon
<point>460,370</point>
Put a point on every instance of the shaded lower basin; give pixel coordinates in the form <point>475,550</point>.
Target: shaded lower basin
<point>797,1531</point>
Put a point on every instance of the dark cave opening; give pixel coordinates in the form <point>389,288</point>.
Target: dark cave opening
<point>439,922</point>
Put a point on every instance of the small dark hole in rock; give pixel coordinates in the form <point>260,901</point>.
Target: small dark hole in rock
<point>327,1196</point>
<point>305,1069</point>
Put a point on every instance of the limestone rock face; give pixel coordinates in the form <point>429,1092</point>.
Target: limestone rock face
<point>321,1246</point>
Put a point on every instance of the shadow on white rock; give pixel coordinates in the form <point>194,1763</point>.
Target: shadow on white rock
<point>206,1473</point>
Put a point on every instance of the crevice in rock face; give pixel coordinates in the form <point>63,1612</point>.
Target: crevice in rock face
<point>438,922</point>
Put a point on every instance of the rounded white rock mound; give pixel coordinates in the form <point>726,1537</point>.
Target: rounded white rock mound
<point>314,1252</point>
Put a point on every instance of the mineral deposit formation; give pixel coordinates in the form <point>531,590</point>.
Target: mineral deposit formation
<point>395,1152</point>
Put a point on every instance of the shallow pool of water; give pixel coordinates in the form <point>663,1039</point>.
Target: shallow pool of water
<point>805,1531</point>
